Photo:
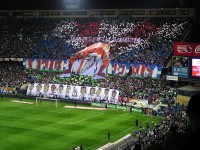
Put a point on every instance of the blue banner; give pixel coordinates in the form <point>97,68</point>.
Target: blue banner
<point>146,70</point>
<point>92,68</point>
<point>118,69</point>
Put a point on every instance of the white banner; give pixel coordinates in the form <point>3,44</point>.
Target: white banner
<point>173,78</point>
<point>84,93</point>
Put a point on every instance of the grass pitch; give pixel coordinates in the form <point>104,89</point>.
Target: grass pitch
<point>44,127</point>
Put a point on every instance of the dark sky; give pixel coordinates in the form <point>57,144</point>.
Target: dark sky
<point>94,4</point>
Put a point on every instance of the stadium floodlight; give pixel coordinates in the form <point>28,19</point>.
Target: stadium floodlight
<point>72,4</point>
<point>48,99</point>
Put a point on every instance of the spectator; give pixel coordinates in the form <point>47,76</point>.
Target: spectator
<point>108,136</point>
<point>136,122</point>
<point>192,139</point>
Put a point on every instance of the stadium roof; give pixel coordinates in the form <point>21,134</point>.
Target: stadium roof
<point>96,4</point>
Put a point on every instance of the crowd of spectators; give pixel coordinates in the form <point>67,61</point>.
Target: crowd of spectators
<point>166,135</point>
<point>61,38</point>
<point>14,75</point>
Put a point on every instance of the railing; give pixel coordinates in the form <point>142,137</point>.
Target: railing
<point>124,142</point>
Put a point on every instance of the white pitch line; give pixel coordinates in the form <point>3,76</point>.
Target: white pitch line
<point>44,109</point>
<point>33,119</point>
<point>114,135</point>
<point>87,118</point>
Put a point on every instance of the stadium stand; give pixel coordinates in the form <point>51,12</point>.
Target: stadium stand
<point>143,40</point>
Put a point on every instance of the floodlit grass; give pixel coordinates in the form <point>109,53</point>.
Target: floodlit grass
<point>44,127</point>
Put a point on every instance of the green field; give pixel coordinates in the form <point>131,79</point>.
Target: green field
<point>44,127</point>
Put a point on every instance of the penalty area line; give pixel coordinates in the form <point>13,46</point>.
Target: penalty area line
<point>23,102</point>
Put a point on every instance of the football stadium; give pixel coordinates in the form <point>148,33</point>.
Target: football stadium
<point>99,75</point>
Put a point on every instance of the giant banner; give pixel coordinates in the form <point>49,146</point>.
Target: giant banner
<point>186,49</point>
<point>45,64</point>
<point>92,39</point>
<point>92,60</point>
<point>113,68</point>
<point>145,70</point>
<point>119,69</point>
<point>86,93</point>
